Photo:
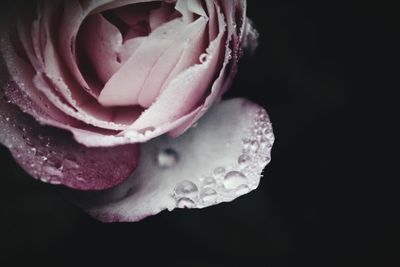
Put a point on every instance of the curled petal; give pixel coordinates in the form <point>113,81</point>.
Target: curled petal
<point>53,156</point>
<point>218,160</point>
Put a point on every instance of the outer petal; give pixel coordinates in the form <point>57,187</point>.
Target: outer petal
<point>217,161</point>
<point>53,156</point>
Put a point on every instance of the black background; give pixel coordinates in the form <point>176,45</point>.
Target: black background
<point>310,208</point>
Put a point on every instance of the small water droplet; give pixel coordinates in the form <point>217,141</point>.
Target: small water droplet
<point>233,179</point>
<point>208,195</point>
<point>41,151</point>
<point>69,162</point>
<point>254,145</point>
<point>203,57</point>
<point>209,181</point>
<point>54,162</point>
<point>265,159</point>
<point>186,188</point>
<point>244,160</point>
<point>185,203</point>
<point>219,171</point>
<point>246,141</point>
<point>242,189</point>
<point>167,158</point>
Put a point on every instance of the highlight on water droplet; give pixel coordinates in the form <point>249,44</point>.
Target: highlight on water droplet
<point>166,158</point>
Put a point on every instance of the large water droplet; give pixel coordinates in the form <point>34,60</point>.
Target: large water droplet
<point>208,195</point>
<point>244,160</point>
<point>185,202</point>
<point>167,158</point>
<point>234,179</point>
<point>186,189</point>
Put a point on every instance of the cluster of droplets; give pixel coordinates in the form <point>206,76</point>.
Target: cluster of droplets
<point>51,165</point>
<point>225,183</point>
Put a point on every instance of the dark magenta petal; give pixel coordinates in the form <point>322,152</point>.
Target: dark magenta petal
<point>53,156</point>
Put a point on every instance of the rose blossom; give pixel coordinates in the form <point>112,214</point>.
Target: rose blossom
<point>119,73</point>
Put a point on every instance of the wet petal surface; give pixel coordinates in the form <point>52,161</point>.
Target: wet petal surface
<point>216,161</point>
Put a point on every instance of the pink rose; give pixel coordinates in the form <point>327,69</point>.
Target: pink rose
<point>117,74</point>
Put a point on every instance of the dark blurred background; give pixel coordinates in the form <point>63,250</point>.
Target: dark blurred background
<point>310,208</point>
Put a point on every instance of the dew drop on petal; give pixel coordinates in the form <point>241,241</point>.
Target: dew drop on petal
<point>209,181</point>
<point>69,162</point>
<point>244,160</point>
<point>208,195</point>
<point>185,202</point>
<point>166,158</point>
<point>254,145</point>
<point>242,189</point>
<point>203,57</point>
<point>219,171</point>
<point>186,189</point>
<point>234,179</point>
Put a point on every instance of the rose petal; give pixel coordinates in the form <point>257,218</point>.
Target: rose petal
<point>52,155</point>
<point>187,88</point>
<point>217,161</point>
<point>101,41</point>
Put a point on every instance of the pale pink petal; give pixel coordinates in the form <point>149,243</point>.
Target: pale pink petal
<point>186,89</point>
<point>121,89</point>
<point>51,155</point>
<point>250,40</point>
<point>102,42</point>
<point>160,15</point>
<point>235,31</point>
<point>220,159</point>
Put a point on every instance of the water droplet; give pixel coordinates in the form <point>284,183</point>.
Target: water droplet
<point>265,159</point>
<point>254,145</point>
<point>208,195</point>
<point>245,151</point>
<point>203,57</point>
<point>209,181</point>
<point>242,189</point>
<point>54,162</point>
<point>244,160</point>
<point>50,170</point>
<point>219,171</point>
<point>69,162</point>
<point>185,202</point>
<point>186,188</point>
<point>167,158</point>
<point>246,141</point>
<point>41,151</point>
<point>233,179</point>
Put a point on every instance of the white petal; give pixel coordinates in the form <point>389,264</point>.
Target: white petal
<point>216,161</point>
